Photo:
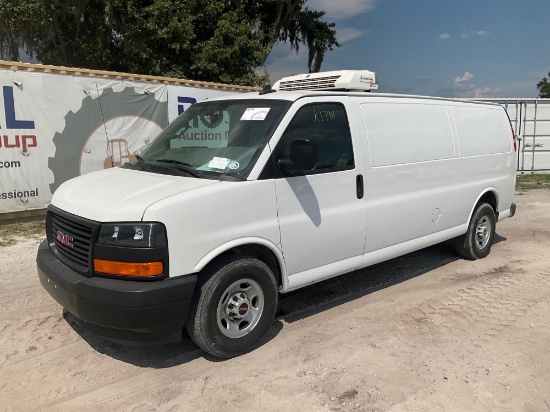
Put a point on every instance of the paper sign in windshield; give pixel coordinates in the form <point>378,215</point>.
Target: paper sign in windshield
<point>255,113</point>
<point>218,163</point>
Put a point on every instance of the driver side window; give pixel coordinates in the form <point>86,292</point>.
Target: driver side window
<point>326,126</point>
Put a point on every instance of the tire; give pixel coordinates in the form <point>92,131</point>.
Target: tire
<point>233,307</point>
<point>477,241</point>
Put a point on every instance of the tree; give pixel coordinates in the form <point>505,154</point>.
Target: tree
<point>216,40</point>
<point>544,87</point>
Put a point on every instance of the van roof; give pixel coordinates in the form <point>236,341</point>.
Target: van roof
<point>296,95</point>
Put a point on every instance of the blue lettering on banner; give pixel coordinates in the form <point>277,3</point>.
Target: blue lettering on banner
<point>182,100</point>
<point>9,110</point>
<point>181,108</point>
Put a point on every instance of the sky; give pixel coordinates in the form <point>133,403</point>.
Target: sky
<point>447,48</point>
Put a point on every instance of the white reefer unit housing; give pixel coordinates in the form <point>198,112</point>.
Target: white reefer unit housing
<point>246,196</point>
<point>362,80</point>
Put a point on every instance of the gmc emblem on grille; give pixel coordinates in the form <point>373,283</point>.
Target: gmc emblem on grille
<point>65,239</point>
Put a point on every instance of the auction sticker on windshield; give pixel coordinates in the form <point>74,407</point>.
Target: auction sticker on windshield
<point>255,113</point>
<point>218,163</point>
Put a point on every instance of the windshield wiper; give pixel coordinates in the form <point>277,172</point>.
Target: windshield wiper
<point>141,162</point>
<point>176,162</point>
<point>179,165</point>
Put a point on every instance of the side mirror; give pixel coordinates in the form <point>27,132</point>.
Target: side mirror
<point>303,157</point>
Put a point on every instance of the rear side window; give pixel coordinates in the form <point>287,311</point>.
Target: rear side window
<point>326,125</point>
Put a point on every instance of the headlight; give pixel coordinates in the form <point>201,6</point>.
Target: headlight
<point>132,234</point>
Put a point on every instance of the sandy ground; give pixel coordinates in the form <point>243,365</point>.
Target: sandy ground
<point>424,332</point>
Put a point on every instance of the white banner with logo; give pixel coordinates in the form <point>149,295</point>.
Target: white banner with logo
<point>55,127</point>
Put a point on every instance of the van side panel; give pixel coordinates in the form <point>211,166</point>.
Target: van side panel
<point>417,184</point>
<point>481,130</point>
<point>401,133</point>
<point>487,157</point>
<point>408,188</point>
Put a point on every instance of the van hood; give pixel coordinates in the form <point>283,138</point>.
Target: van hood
<point>120,194</point>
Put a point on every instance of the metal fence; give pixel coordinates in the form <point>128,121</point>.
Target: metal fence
<point>531,122</point>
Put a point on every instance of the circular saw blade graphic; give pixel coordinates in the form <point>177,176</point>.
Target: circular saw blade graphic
<point>80,125</point>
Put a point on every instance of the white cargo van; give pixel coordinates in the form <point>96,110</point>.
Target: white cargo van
<point>248,196</point>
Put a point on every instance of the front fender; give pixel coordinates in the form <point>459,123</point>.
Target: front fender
<point>244,241</point>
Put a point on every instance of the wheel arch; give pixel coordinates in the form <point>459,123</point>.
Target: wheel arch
<point>258,248</point>
<point>489,196</point>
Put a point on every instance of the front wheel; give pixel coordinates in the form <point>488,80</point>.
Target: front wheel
<point>477,241</point>
<point>234,306</point>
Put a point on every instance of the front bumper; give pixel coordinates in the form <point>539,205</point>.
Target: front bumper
<point>135,313</point>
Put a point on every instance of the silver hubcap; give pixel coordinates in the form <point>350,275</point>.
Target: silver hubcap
<point>483,232</point>
<point>240,308</point>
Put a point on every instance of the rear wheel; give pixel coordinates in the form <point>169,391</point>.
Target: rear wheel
<point>234,306</point>
<point>477,241</point>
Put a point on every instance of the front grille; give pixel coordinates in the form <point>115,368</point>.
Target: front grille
<point>79,236</point>
<point>318,83</point>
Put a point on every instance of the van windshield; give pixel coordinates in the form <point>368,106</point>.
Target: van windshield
<point>215,139</point>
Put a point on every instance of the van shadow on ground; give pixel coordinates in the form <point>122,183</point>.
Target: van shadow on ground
<point>325,295</point>
<point>292,306</point>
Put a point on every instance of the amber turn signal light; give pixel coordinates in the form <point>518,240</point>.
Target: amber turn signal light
<point>128,268</point>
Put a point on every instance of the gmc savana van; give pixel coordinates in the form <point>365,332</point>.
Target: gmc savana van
<point>248,196</point>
